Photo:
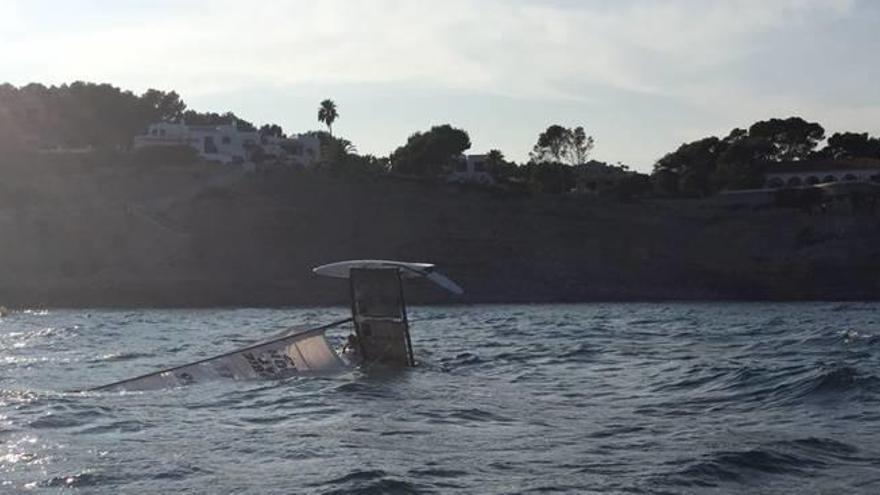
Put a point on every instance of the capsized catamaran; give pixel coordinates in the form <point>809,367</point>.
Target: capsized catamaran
<point>381,334</point>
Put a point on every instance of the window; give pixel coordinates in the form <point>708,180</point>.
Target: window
<point>829,178</point>
<point>208,145</point>
<point>226,140</point>
<point>162,132</point>
<point>154,132</point>
<point>849,177</point>
<point>479,166</point>
<point>875,178</point>
<point>812,180</point>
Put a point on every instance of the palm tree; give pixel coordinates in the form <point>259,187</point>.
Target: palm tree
<point>327,114</point>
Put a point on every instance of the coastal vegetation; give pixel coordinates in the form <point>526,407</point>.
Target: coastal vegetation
<point>83,116</point>
<point>86,220</point>
<point>740,160</point>
<point>328,114</point>
<point>431,153</point>
<point>562,145</point>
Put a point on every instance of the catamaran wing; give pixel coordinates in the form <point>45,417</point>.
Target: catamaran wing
<point>445,282</point>
<point>342,269</point>
<point>298,352</point>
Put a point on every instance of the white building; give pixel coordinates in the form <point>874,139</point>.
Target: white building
<point>227,144</point>
<point>810,173</point>
<point>472,169</point>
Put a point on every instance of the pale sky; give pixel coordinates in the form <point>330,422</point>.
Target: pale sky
<point>641,76</point>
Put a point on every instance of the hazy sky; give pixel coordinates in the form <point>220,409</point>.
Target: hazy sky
<point>642,76</point>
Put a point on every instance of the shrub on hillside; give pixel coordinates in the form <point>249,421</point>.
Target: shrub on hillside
<point>165,155</point>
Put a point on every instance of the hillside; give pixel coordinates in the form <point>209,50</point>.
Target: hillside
<point>92,232</point>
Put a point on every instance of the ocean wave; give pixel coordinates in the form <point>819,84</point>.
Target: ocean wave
<point>477,415</point>
<point>120,356</point>
<point>757,388</point>
<point>41,337</point>
<point>369,482</point>
<point>854,337</point>
<point>804,457</point>
<point>18,398</point>
<point>831,382</point>
<point>850,307</point>
<point>609,398</point>
<point>462,359</point>
<point>583,351</point>
<point>84,479</point>
<point>120,426</point>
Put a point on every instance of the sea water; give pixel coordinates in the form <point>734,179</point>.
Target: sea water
<point>606,398</point>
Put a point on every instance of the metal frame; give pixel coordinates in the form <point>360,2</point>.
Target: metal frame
<point>409,350</point>
<point>354,319</point>
<point>404,318</point>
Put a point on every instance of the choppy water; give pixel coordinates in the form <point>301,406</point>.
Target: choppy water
<point>634,398</point>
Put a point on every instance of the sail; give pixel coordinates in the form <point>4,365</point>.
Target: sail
<point>296,352</point>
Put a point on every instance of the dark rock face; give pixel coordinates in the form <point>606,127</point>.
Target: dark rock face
<point>204,235</point>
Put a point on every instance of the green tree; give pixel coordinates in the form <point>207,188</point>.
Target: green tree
<point>549,177</point>
<point>580,147</point>
<point>550,144</point>
<point>688,170</point>
<point>273,130</point>
<point>431,153</point>
<point>192,117</point>
<point>328,114</point>
<point>793,138</point>
<point>702,167</point>
<point>339,157</point>
<point>359,166</point>
<point>665,182</point>
<point>742,164</point>
<point>851,145</point>
<point>499,168</point>
<point>632,186</point>
<point>333,149</point>
<point>163,107</point>
<point>87,114</point>
<point>563,145</point>
<point>84,114</point>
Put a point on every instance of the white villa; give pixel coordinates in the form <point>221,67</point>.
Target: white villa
<point>810,173</point>
<point>228,144</point>
<point>472,169</point>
